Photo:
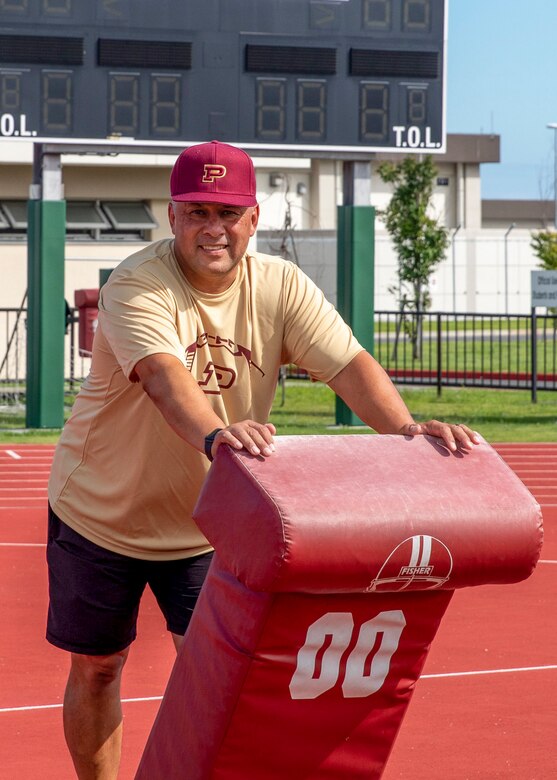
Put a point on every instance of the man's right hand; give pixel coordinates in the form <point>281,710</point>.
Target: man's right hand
<point>185,407</point>
<point>256,438</point>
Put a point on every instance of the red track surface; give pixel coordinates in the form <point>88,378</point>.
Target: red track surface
<point>485,707</point>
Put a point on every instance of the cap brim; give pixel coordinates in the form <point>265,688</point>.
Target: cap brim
<point>227,199</point>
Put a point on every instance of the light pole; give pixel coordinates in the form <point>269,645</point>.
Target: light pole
<point>553,126</point>
<point>511,227</point>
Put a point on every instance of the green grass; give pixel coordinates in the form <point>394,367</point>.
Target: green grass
<point>499,415</point>
<point>490,347</point>
<point>488,356</point>
<point>309,408</point>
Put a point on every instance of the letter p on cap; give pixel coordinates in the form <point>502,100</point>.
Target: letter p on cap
<point>212,172</point>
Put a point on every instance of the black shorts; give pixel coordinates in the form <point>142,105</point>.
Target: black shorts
<point>95,593</point>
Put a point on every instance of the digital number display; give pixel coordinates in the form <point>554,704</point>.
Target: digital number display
<point>416,15</point>
<point>374,113</point>
<point>311,107</point>
<point>309,74</point>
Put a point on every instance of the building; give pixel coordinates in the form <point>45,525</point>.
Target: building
<point>117,203</point>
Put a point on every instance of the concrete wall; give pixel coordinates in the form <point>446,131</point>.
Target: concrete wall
<point>296,196</point>
<point>471,278</point>
<point>481,273</point>
<point>476,261</point>
<point>83,262</point>
<point>314,251</point>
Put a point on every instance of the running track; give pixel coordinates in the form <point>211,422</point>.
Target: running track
<point>485,707</point>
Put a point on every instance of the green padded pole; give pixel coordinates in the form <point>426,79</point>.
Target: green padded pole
<point>104,275</point>
<point>46,313</point>
<point>355,282</point>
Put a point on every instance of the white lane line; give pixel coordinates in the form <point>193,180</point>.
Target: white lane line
<point>22,499</point>
<point>21,496</point>
<point>541,561</point>
<point>30,462</point>
<point>27,508</point>
<point>42,450</point>
<point>23,502</point>
<point>423,677</point>
<point>20,489</point>
<point>489,671</point>
<point>532,468</point>
<point>13,454</point>
<point>34,473</point>
<point>22,480</point>
<point>19,468</point>
<point>11,507</point>
<point>59,706</point>
<point>535,473</point>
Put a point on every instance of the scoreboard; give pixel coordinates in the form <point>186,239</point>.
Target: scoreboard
<point>307,75</point>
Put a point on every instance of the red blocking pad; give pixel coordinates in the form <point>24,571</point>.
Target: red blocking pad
<point>274,686</point>
<point>336,559</point>
<point>327,513</point>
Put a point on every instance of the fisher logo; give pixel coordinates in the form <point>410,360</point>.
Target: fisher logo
<point>420,562</point>
<point>212,172</point>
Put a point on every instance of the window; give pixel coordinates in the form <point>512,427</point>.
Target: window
<point>85,220</point>
<point>4,224</point>
<point>16,212</point>
<point>83,215</point>
<point>129,215</point>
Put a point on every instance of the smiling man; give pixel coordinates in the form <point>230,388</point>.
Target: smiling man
<point>210,234</point>
<point>192,332</point>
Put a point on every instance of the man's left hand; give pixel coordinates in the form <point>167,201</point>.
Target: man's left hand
<point>454,436</point>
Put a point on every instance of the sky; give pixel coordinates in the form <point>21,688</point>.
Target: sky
<point>502,78</point>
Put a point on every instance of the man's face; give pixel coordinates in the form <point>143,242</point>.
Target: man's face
<point>210,240</point>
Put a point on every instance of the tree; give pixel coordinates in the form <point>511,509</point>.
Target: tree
<point>420,241</point>
<point>544,245</point>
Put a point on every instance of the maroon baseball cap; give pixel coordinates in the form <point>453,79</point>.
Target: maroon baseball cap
<point>214,173</point>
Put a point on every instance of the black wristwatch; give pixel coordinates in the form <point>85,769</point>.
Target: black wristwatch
<point>209,439</point>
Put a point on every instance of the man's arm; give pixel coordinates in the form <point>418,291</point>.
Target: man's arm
<point>367,389</point>
<point>185,408</point>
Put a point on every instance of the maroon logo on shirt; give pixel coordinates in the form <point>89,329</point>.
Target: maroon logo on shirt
<point>224,376</point>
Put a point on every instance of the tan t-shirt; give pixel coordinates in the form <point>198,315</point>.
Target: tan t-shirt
<point>121,477</point>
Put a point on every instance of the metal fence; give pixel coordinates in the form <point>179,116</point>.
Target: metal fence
<point>429,348</point>
<point>513,351</point>
<point>13,355</point>
<point>444,349</point>
<point>13,351</point>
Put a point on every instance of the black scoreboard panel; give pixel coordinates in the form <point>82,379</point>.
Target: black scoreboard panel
<point>306,74</point>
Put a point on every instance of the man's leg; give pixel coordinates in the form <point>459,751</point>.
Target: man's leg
<point>177,639</point>
<point>176,586</point>
<point>94,601</point>
<point>93,714</point>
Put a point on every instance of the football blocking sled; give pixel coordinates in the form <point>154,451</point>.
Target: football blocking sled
<point>336,560</point>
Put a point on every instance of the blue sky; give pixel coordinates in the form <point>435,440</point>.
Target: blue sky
<point>502,78</point>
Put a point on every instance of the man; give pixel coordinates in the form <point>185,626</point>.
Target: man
<point>191,335</point>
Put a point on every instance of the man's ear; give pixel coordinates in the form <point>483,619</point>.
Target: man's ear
<point>171,215</point>
<point>254,219</point>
